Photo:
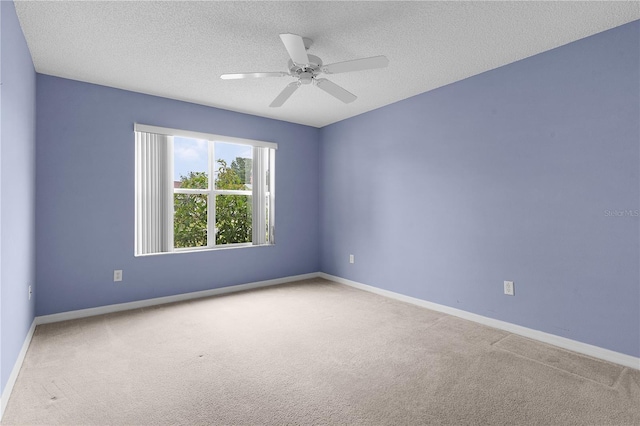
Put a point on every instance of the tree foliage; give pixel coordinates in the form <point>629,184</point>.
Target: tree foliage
<point>242,167</point>
<point>190,213</point>
<point>233,212</point>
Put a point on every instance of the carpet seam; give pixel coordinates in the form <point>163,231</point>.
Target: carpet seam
<point>568,350</point>
<point>502,338</point>
<point>619,378</point>
<point>556,368</point>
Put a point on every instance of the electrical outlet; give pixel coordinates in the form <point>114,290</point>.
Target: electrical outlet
<point>508,288</point>
<point>30,292</point>
<point>352,259</point>
<point>117,275</point>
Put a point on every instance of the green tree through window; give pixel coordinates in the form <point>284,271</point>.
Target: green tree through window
<point>233,212</point>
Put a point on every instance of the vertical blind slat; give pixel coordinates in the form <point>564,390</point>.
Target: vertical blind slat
<point>259,206</point>
<point>152,188</point>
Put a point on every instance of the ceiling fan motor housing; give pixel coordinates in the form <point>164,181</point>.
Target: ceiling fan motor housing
<point>306,77</point>
<point>306,72</point>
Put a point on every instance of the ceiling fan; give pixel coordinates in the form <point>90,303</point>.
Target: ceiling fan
<point>306,69</point>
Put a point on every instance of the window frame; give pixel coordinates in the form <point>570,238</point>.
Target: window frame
<point>211,192</point>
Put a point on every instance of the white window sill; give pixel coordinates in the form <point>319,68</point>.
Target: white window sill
<point>203,249</point>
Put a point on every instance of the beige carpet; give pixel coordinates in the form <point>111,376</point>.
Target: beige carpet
<point>313,352</point>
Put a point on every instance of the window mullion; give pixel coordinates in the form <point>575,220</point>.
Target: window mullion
<point>190,191</point>
<point>211,198</point>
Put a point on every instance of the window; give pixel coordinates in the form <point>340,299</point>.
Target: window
<point>199,191</point>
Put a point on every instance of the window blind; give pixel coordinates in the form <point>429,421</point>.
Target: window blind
<point>154,193</point>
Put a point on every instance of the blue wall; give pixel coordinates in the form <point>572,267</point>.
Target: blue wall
<point>507,175</point>
<point>17,189</point>
<point>85,199</point>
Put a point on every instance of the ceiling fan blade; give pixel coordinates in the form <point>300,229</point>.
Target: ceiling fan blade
<point>252,75</point>
<point>285,94</point>
<point>295,46</point>
<point>335,90</point>
<point>356,65</point>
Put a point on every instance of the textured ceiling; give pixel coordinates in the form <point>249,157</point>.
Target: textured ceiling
<point>179,49</point>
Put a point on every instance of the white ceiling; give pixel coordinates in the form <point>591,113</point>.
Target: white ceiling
<point>179,49</point>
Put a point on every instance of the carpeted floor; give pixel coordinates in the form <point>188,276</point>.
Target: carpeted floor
<point>312,352</point>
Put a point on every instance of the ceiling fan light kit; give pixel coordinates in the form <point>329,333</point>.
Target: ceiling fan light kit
<point>306,69</point>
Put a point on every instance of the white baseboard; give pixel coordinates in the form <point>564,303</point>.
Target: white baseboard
<point>6,393</point>
<point>562,342</point>
<point>82,313</point>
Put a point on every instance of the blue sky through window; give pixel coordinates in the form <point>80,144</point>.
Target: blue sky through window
<point>190,155</point>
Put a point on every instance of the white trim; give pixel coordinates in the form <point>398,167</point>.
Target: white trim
<point>211,197</point>
<point>212,247</point>
<point>231,192</point>
<point>82,313</point>
<point>272,197</point>
<point>204,248</point>
<point>562,342</point>
<point>6,393</point>
<point>199,135</point>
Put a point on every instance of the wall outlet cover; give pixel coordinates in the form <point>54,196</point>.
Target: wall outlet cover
<point>508,288</point>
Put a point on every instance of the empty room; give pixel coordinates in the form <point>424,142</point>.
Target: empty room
<point>272,212</point>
